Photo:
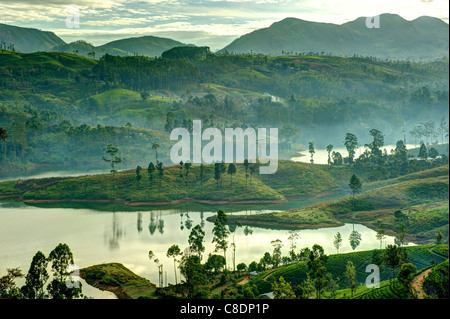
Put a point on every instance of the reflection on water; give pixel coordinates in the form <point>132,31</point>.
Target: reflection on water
<point>99,237</point>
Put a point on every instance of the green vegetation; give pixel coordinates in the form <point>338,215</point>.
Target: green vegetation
<point>118,279</point>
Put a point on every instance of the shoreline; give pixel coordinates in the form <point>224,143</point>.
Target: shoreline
<point>168,203</point>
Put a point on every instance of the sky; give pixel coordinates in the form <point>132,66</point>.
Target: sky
<point>214,23</point>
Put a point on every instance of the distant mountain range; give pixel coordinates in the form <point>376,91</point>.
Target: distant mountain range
<point>396,38</point>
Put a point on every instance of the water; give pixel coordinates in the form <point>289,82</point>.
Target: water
<point>321,155</point>
<point>127,236</point>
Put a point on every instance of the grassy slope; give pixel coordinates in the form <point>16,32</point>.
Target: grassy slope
<point>422,196</point>
<point>118,279</point>
<point>173,187</point>
<point>420,256</point>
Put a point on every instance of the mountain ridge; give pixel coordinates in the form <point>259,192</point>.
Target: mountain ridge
<point>422,38</point>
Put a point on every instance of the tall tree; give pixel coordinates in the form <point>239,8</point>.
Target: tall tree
<point>246,167</point>
<point>351,143</point>
<point>151,170</point>
<point>392,258</point>
<point>376,144</point>
<point>293,236</point>
<point>173,252</point>
<point>329,149</point>
<point>276,255</point>
<point>350,274</point>
<point>311,151</point>
<point>111,151</point>
<point>221,232</point>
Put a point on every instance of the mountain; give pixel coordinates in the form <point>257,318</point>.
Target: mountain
<point>147,45</point>
<point>27,39</point>
<point>396,38</point>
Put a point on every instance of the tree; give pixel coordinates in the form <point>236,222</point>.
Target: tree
<point>293,236</point>
<point>351,143</point>
<point>337,241</point>
<point>401,232</point>
<point>187,167</point>
<point>406,275</point>
<point>350,274</point>
<point>138,174</point>
<point>8,288</point>
<point>111,151</point>
<point>215,263</point>
<point>282,289</point>
<point>423,153</point>
<point>220,233</point>
<point>195,277</point>
<point>337,158</point>
<point>317,271</point>
<point>376,144</point>
<point>246,167</point>
<point>195,241</point>
<point>355,185</point>
<point>173,252</point>
<point>381,234</point>
<point>433,153</point>
<point>231,171</point>
<point>155,147</point>
<point>311,151</point>
<point>151,170</point>
<point>36,277</point>
<point>329,149</point>
<point>61,258</point>
<point>276,255</point>
<point>392,258</point>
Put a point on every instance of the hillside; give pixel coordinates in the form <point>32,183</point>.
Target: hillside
<point>422,197</point>
<point>420,256</point>
<point>397,38</point>
<point>27,40</point>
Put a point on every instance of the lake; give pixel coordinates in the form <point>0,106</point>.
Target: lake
<point>100,233</point>
<point>127,236</point>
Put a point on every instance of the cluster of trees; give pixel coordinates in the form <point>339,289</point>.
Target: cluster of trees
<point>377,161</point>
<point>37,284</point>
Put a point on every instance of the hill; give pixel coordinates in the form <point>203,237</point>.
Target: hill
<point>27,40</point>
<point>422,197</point>
<point>146,46</point>
<point>397,38</point>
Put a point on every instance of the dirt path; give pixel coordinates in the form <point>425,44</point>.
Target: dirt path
<point>417,283</point>
<point>245,280</point>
